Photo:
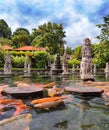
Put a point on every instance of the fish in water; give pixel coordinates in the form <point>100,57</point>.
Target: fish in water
<point>55,91</point>
<point>7,101</point>
<point>20,109</point>
<point>22,84</point>
<point>47,105</point>
<point>52,92</point>
<point>48,85</point>
<point>48,99</point>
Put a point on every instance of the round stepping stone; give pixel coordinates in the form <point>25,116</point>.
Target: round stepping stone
<point>23,92</point>
<point>85,91</point>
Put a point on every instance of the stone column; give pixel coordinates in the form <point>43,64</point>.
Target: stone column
<point>86,63</point>
<point>107,68</point>
<point>7,65</point>
<point>94,69</point>
<point>73,68</point>
<point>65,65</point>
<point>27,67</point>
<point>56,68</point>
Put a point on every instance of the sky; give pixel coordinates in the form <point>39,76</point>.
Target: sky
<point>79,17</point>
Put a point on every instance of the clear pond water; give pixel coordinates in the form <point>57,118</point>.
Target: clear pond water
<point>79,114</point>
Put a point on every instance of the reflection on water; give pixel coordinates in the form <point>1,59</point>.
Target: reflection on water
<point>79,114</point>
<point>62,125</point>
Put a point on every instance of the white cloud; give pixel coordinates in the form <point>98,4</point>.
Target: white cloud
<point>78,24</point>
<point>76,32</point>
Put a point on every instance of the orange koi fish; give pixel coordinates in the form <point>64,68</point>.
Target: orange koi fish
<point>22,84</point>
<point>6,101</point>
<point>20,109</point>
<point>3,86</point>
<point>46,85</point>
<point>47,105</point>
<point>48,99</point>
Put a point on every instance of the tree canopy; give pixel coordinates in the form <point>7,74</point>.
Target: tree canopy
<point>50,35</point>
<point>21,37</point>
<point>5,30</point>
<point>104,35</point>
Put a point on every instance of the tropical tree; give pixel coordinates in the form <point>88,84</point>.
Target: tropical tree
<point>21,37</point>
<point>5,41</point>
<point>51,36</point>
<point>5,30</point>
<point>102,51</point>
<point>77,53</point>
<point>104,35</point>
<point>69,50</point>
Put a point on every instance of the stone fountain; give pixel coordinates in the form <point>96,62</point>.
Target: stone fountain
<point>86,63</point>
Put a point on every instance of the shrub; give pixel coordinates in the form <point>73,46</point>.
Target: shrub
<point>73,61</point>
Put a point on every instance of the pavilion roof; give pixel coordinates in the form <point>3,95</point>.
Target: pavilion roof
<point>7,47</point>
<point>30,48</point>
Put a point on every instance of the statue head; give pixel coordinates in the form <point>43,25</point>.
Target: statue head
<point>87,42</point>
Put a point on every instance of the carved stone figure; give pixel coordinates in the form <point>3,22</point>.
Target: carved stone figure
<point>65,65</point>
<point>56,68</point>
<point>7,65</point>
<point>27,65</point>
<point>73,68</point>
<point>58,62</point>
<point>107,68</point>
<point>86,64</point>
<point>94,69</point>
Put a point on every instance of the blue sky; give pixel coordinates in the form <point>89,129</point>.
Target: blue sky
<point>79,17</point>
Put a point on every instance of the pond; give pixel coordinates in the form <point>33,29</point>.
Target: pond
<point>79,114</point>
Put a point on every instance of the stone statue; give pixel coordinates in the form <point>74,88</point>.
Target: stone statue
<point>58,62</point>
<point>94,69</point>
<point>107,68</point>
<point>7,65</point>
<point>73,68</point>
<point>86,64</point>
<point>56,68</point>
<point>65,65</point>
<point>27,66</point>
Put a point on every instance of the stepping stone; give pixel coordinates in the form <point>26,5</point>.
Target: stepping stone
<point>23,92</point>
<point>85,91</point>
<point>20,122</point>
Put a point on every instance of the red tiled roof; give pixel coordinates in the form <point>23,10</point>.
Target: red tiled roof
<point>30,48</point>
<point>6,47</point>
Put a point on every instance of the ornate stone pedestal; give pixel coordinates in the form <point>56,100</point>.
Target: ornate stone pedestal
<point>86,63</point>
<point>87,77</point>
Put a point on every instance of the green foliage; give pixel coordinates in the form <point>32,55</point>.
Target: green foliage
<point>104,35</point>
<point>5,41</point>
<point>49,35</point>
<point>2,54</point>
<point>20,53</point>
<point>69,50</point>
<point>39,59</point>
<point>18,61</point>
<point>77,52</point>
<point>21,37</point>
<point>5,31</point>
<point>73,61</point>
<point>101,54</point>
